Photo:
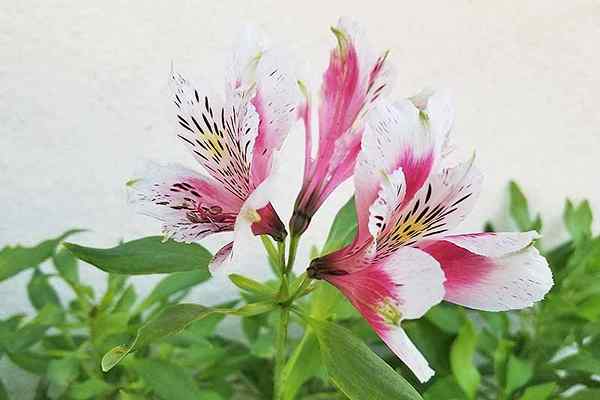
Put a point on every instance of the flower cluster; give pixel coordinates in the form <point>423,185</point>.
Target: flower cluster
<point>411,188</point>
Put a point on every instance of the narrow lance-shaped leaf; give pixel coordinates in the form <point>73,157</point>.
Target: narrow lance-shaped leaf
<point>444,388</point>
<point>539,392</point>
<point>3,392</point>
<point>358,372</point>
<point>518,373</point>
<point>126,300</point>
<point>62,372</point>
<point>66,265</point>
<point>461,360</point>
<point>586,394</point>
<point>18,258</point>
<point>343,229</point>
<point>168,380</point>
<point>519,210</point>
<point>90,389</point>
<point>173,320</point>
<point>150,255</point>
<point>304,363</point>
<point>171,285</point>
<point>35,330</point>
<point>40,291</point>
<point>252,286</point>
<point>578,220</point>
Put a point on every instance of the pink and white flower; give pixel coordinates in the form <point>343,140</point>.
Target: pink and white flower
<point>353,80</point>
<point>409,195</point>
<point>234,138</point>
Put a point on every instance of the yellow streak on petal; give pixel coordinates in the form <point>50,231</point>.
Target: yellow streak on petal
<point>252,215</point>
<point>389,312</point>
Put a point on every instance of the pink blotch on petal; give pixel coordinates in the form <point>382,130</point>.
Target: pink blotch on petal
<point>341,99</point>
<point>461,267</point>
<point>367,289</point>
<point>416,171</point>
<point>217,193</point>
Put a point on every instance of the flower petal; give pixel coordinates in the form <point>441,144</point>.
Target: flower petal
<point>495,244</point>
<point>190,205</point>
<point>391,195</point>
<point>249,46</point>
<point>276,101</point>
<point>354,79</point>
<point>220,135</point>
<point>403,286</point>
<point>220,259</point>
<point>437,108</point>
<point>244,240</point>
<point>399,342</point>
<point>492,272</point>
<point>440,205</point>
<point>395,137</point>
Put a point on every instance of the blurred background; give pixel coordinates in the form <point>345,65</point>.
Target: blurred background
<point>84,103</point>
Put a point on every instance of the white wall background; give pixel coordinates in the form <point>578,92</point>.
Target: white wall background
<point>84,100</point>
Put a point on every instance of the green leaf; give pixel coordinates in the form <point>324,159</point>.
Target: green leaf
<point>130,396</point>
<point>168,381</point>
<point>40,291</point>
<point>93,388</point>
<point>447,317</point>
<point>444,388</point>
<point>150,255</point>
<point>578,220</point>
<point>29,361</point>
<point>127,300</point>
<point>519,210</point>
<point>343,230</point>
<point>582,361</point>
<point>41,390</point>
<point>501,354</point>
<point>518,373</point>
<point>264,345</point>
<point>304,363</point>
<point>586,394</point>
<point>62,372</point>
<point>172,284</point>
<point>590,308</point>
<point>328,302</point>
<point>172,320</point>
<point>497,323</point>
<point>115,283</point>
<point>33,331</point>
<point>107,324</point>
<point>539,392</point>
<point>252,286</point>
<point>66,265</point>
<point>461,360</point>
<point>3,392</point>
<point>432,342</point>
<point>16,259</point>
<point>358,372</point>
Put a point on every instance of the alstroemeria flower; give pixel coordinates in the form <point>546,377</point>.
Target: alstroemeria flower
<point>354,79</point>
<point>234,137</point>
<point>408,197</point>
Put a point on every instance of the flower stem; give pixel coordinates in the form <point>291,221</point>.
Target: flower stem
<point>281,250</point>
<point>294,241</point>
<point>280,351</point>
<point>282,327</point>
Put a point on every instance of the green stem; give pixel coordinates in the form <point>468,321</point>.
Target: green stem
<point>299,290</point>
<point>294,241</point>
<point>280,348</point>
<point>284,316</point>
<point>281,249</point>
